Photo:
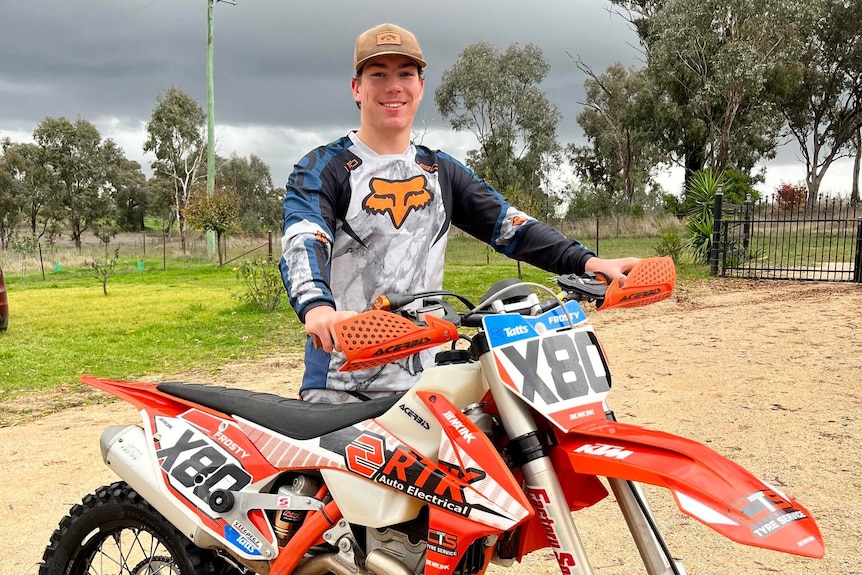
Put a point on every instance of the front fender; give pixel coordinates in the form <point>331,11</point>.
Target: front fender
<point>707,486</point>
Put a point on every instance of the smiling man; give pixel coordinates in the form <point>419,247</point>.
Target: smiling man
<point>369,214</point>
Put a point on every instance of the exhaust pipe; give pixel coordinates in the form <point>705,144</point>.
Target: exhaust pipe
<point>125,450</point>
<point>378,562</point>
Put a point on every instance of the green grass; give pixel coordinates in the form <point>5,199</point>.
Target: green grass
<point>156,322</point>
<point>798,249</point>
<point>185,317</point>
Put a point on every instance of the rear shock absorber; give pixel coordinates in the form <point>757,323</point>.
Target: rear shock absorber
<point>288,521</point>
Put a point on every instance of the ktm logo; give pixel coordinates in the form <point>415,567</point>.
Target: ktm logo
<point>397,198</point>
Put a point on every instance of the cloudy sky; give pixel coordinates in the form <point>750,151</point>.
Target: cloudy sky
<point>282,68</point>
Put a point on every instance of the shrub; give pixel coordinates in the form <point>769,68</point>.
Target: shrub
<point>670,243</point>
<point>262,279</point>
<point>699,219</point>
<point>790,196</point>
<point>737,186</point>
<point>672,205</point>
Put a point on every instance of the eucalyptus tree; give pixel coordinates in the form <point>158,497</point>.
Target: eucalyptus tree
<point>823,109</point>
<point>495,95</point>
<point>176,134</point>
<point>857,166</point>
<point>130,194</point>
<point>33,185</point>
<point>79,171</point>
<point>260,203</point>
<point>620,154</point>
<point>11,202</point>
<point>714,68</point>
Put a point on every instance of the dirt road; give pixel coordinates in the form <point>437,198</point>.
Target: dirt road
<point>768,374</point>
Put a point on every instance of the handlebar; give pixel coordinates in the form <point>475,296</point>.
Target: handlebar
<point>377,336</point>
<point>649,281</point>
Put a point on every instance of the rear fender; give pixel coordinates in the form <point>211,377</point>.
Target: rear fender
<point>714,490</point>
<point>145,396</point>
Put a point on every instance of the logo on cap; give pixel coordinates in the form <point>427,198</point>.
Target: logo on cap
<point>388,38</point>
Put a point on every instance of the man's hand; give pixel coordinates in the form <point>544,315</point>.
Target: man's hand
<point>319,324</point>
<point>613,268</point>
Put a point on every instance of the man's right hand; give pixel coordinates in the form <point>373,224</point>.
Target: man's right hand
<point>319,325</point>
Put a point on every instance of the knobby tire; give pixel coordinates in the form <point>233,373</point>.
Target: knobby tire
<point>114,530</point>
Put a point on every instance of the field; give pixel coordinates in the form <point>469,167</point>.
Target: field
<point>766,373</point>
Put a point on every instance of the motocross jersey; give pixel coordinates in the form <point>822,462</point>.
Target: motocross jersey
<point>359,224</point>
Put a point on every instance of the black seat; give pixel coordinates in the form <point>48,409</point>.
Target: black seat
<point>291,417</point>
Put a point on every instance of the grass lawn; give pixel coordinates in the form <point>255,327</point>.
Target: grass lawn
<point>151,322</point>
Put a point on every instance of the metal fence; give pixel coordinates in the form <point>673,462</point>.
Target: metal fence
<point>775,239</point>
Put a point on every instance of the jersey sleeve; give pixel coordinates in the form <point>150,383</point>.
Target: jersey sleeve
<point>309,224</point>
<point>481,211</point>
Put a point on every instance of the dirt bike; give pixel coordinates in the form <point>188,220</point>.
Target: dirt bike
<point>483,461</point>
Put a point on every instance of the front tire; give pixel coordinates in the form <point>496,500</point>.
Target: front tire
<point>115,531</point>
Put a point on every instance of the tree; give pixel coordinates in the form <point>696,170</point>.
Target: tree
<point>496,96</point>
<point>11,202</point>
<point>824,109</point>
<point>260,204</point>
<point>80,168</point>
<point>130,195</point>
<point>714,67</point>
<point>176,134</point>
<point>24,164</point>
<point>857,164</point>
<point>621,155</point>
<point>218,212</point>
<point>103,269</point>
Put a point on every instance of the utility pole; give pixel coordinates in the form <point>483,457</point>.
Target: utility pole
<point>211,114</point>
<point>210,102</point>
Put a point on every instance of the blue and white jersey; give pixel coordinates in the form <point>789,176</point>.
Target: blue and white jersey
<point>358,224</point>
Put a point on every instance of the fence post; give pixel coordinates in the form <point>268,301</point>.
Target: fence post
<point>716,233</point>
<point>857,266</point>
<point>269,244</point>
<point>597,235</point>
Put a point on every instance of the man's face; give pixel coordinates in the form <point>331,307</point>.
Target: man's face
<point>389,90</point>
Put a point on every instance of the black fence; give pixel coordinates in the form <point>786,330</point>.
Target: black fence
<point>777,239</point>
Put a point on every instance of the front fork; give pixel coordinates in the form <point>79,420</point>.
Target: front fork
<point>547,497</point>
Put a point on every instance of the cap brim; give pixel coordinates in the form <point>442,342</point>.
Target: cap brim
<point>362,62</point>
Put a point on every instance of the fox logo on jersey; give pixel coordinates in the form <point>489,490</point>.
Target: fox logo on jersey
<point>397,198</point>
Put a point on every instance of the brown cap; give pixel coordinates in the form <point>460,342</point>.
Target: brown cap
<point>386,39</point>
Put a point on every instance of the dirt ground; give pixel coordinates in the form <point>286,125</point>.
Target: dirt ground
<point>766,373</point>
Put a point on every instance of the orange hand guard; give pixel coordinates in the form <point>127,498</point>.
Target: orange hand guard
<point>375,338</point>
<point>651,280</point>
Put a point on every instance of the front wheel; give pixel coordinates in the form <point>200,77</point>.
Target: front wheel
<point>115,531</point>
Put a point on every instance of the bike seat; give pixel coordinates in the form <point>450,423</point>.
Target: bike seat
<point>291,417</point>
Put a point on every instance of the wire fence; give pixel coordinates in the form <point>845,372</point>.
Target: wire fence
<point>144,249</point>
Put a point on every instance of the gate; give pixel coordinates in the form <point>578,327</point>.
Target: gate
<point>771,239</point>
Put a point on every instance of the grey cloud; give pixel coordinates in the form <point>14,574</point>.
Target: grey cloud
<point>276,63</point>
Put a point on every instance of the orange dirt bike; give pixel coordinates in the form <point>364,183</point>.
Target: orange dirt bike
<point>483,461</point>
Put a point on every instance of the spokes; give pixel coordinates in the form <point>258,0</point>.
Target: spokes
<point>131,551</point>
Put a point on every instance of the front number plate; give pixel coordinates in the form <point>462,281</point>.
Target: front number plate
<point>561,373</point>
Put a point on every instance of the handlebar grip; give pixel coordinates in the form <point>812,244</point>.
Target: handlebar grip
<point>586,286</point>
<point>392,302</point>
